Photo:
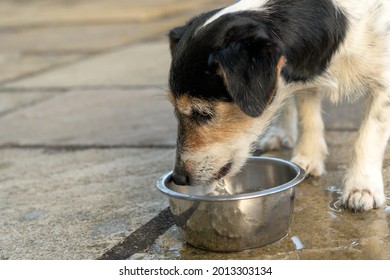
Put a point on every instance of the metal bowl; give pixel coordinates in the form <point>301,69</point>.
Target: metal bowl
<point>254,210</point>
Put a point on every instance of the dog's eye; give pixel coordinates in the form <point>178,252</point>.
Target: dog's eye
<point>201,116</point>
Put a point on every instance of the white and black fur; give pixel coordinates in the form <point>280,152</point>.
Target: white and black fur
<point>260,55</point>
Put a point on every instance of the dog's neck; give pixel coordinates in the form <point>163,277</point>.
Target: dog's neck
<point>310,38</point>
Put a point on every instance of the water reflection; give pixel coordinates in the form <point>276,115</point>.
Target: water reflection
<point>335,200</point>
<point>297,242</point>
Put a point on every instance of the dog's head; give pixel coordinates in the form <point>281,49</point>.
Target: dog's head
<point>223,80</point>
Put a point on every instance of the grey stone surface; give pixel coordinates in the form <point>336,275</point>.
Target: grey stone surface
<point>83,38</point>
<point>141,64</point>
<point>41,35</point>
<point>49,12</point>
<point>100,117</point>
<point>15,65</point>
<point>76,205</point>
<point>9,102</point>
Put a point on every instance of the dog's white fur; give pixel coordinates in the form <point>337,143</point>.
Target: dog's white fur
<point>243,5</point>
<point>360,67</point>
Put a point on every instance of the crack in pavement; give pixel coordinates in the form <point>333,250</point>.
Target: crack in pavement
<point>141,239</point>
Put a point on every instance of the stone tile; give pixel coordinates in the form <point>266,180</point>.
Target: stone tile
<point>84,38</point>
<point>101,117</point>
<point>48,12</point>
<point>140,64</point>
<point>44,34</point>
<point>76,205</point>
<point>16,65</point>
<point>12,101</point>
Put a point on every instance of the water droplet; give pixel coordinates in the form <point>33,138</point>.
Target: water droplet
<point>332,215</point>
<point>220,188</point>
<point>297,242</point>
<point>335,205</point>
<point>352,244</point>
<point>334,189</point>
<point>221,183</point>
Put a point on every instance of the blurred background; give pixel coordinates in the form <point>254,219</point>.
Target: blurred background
<point>37,35</point>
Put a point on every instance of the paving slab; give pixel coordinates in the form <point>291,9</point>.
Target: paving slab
<point>76,204</point>
<point>44,12</point>
<point>84,38</point>
<point>45,34</point>
<point>15,65</point>
<point>9,102</point>
<point>32,50</point>
<point>93,117</point>
<point>145,63</point>
<point>320,229</point>
<point>98,117</point>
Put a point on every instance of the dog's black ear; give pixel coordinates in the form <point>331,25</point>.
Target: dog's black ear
<point>250,68</point>
<point>175,35</point>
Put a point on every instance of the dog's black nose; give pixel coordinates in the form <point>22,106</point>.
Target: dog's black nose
<point>180,177</point>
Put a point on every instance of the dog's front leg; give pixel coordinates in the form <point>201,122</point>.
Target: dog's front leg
<point>311,149</point>
<point>363,184</point>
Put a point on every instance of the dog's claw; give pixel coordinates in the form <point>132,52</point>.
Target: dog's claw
<point>362,200</point>
<point>311,166</point>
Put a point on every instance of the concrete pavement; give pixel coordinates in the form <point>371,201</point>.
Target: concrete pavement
<point>86,131</point>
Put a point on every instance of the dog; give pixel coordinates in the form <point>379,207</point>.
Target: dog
<point>235,69</point>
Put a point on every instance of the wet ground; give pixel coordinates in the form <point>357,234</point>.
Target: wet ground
<point>86,131</point>
<point>321,228</point>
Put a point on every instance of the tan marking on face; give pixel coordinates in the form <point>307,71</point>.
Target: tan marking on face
<point>226,125</point>
<point>185,104</point>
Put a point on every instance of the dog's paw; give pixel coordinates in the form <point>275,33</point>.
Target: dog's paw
<point>363,191</point>
<point>362,199</point>
<point>312,166</point>
<point>277,138</point>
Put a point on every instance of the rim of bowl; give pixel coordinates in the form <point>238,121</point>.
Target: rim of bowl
<point>301,174</point>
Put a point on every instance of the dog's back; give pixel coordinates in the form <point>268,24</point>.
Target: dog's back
<point>363,59</point>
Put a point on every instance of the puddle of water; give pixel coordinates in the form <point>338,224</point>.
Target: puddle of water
<point>332,215</point>
<point>297,243</point>
<point>335,205</point>
<point>221,188</point>
<point>334,189</point>
<point>352,244</point>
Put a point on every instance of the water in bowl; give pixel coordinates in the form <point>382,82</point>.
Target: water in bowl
<point>221,188</point>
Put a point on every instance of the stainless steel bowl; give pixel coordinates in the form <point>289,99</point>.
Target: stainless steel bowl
<point>256,210</point>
